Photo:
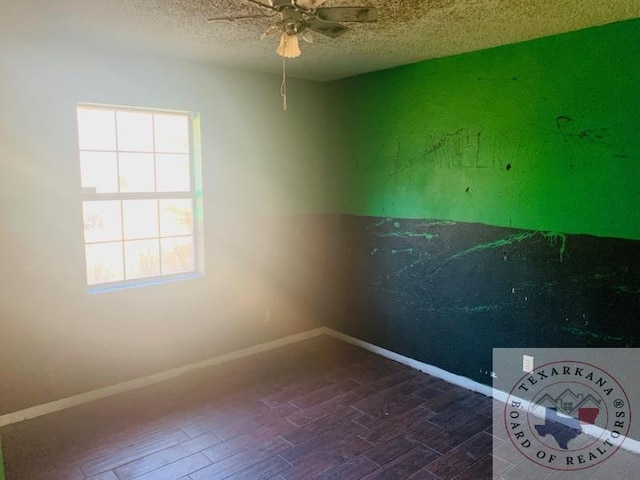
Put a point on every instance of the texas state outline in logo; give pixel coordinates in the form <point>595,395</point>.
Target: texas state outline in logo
<point>567,415</point>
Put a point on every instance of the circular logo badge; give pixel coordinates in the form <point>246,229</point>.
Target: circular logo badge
<point>567,415</point>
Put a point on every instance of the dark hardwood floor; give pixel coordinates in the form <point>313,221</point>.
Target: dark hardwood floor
<point>318,409</point>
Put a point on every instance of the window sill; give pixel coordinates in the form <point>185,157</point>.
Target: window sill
<point>143,282</point>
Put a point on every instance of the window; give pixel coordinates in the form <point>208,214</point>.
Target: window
<point>141,195</point>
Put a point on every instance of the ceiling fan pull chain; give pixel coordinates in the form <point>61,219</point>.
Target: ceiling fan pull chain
<point>283,86</point>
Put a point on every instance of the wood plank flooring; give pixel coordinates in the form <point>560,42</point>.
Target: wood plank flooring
<point>320,409</point>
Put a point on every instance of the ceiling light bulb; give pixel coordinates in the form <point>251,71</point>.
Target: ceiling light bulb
<point>289,46</point>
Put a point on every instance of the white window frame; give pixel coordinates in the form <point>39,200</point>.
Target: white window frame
<point>195,195</point>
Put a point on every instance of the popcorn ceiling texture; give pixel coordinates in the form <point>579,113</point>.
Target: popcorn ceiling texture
<point>407,31</point>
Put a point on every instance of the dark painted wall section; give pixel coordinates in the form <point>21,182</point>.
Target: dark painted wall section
<point>520,168</point>
<point>446,293</point>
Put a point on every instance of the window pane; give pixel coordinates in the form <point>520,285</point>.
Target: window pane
<point>171,133</point>
<point>142,258</point>
<point>104,263</point>
<point>173,173</point>
<point>100,171</point>
<point>176,217</point>
<point>140,218</point>
<point>96,129</point>
<point>102,221</point>
<point>137,172</point>
<point>135,131</point>
<point>177,255</point>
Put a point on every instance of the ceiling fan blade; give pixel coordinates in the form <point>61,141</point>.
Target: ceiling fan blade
<point>347,14</point>
<point>263,5</point>
<point>309,4</point>
<point>236,18</point>
<point>330,29</point>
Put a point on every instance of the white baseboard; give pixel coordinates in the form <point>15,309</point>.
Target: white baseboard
<point>449,377</point>
<point>64,403</point>
<point>629,443</point>
<point>464,382</point>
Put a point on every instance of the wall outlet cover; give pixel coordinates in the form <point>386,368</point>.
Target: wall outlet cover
<point>527,364</point>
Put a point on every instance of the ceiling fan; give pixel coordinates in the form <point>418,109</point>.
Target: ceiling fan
<point>298,18</point>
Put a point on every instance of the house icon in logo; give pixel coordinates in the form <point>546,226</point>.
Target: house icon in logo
<point>579,406</point>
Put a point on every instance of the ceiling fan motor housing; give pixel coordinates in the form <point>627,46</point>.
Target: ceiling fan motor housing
<point>292,21</point>
<point>283,3</point>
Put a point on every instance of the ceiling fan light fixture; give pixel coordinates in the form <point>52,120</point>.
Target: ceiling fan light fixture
<point>298,18</point>
<point>289,46</point>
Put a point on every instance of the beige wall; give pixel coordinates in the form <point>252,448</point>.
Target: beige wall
<point>259,163</point>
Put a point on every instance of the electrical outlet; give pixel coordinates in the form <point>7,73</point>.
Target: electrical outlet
<point>527,364</point>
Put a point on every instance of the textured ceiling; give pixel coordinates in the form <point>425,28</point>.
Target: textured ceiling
<point>407,30</point>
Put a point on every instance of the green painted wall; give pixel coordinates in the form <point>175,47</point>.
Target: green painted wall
<point>542,135</point>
